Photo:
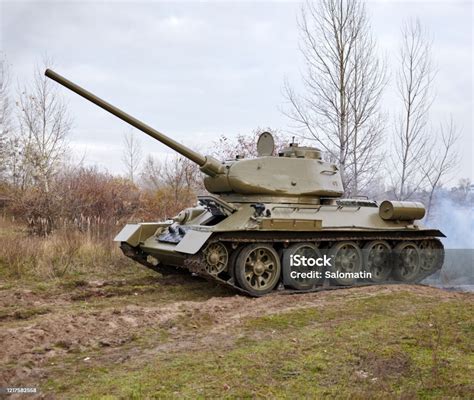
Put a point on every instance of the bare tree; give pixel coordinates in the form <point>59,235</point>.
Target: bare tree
<point>172,184</point>
<point>5,116</point>
<point>414,85</point>
<point>44,124</point>
<point>132,155</point>
<point>441,161</point>
<point>343,84</point>
<point>181,176</point>
<point>151,173</point>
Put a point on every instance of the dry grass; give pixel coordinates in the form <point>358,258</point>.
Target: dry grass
<point>63,253</point>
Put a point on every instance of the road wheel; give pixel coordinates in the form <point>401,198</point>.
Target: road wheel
<point>217,257</point>
<point>309,251</point>
<point>407,262</point>
<point>258,268</point>
<point>345,257</point>
<point>432,255</point>
<point>377,260</point>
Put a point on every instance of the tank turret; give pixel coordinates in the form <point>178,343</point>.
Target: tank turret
<point>294,172</point>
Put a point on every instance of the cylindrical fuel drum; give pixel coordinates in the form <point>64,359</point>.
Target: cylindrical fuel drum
<point>401,210</point>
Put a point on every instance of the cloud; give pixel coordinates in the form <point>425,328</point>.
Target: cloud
<point>215,67</point>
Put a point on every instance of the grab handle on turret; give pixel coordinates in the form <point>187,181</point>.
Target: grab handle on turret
<point>209,165</point>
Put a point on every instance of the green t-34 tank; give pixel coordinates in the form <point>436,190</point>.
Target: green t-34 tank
<point>278,222</point>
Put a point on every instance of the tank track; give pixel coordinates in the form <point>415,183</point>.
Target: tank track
<point>196,264</point>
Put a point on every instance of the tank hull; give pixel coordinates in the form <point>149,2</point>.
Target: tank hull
<point>211,243</point>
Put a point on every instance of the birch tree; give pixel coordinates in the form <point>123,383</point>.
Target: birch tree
<point>441,161</point>
<point>342,88</point>
<point>5,117</point>
<point>44,124</point>
<point>422,156</point>
<point>412,143</point>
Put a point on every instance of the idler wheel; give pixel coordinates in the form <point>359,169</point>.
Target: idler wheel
<point>310,251</point>
<point>432,255</point>
<point>407,262</point>
<point>346,257</point>
<point>258,268</point>
<point>377,260</point>
<point>216,257</point>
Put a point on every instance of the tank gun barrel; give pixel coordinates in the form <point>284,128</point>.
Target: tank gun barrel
<point>209,165</point>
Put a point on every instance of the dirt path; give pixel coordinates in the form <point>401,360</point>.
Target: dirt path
<point>41,328</point>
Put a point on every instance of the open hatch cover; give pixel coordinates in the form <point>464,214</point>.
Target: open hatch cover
<point>217,207</point>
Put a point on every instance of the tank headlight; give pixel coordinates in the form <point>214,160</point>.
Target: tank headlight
<point>181,217</point>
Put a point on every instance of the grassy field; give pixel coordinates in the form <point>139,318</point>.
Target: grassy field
<point>142,336</point>
<point>111,329</point>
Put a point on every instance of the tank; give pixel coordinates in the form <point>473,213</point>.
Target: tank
<point>278,222</point>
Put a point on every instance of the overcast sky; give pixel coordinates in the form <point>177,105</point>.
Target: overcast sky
<point>196,70</point>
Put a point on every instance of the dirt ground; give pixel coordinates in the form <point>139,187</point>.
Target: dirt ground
<point>107,318</point>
